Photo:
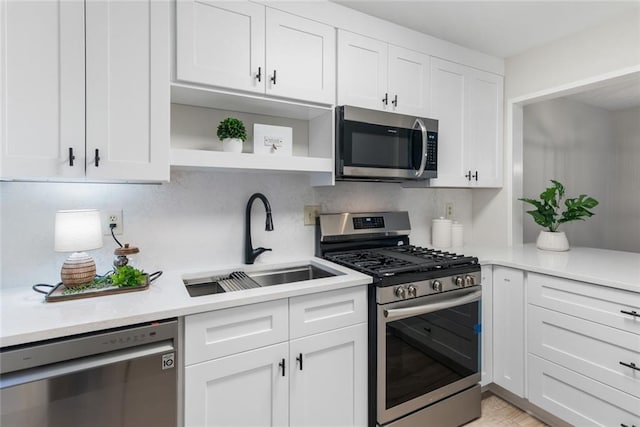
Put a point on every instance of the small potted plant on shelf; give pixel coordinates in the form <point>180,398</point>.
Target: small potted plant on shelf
<point>232,133</point>
<point>547,214</point>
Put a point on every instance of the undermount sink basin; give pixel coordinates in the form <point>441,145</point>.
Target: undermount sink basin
<point>290,275</point>
<point>239,280</point>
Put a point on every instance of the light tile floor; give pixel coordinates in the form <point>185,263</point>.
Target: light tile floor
<point>497,412</point>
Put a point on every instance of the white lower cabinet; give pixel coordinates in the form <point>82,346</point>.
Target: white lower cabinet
<point>328,378</point>
<point>583,346</point>
<point>487,324</point>
<point>246,389</point>
<point>317,379</point>
<point>577,399</point>
<point>508,329</point>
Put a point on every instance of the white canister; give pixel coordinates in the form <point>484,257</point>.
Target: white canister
<point>441,233</point>
<point>457,234</point>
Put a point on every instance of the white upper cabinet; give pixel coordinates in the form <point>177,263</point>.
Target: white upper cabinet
<point>376,75</point>
<point>127,90</point>
<point>468,104</point>
<point>42,89</point>
<point>221,44</point>
<point>59,107</point>
<point>245,46</point>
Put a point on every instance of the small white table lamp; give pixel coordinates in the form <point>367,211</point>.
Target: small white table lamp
<point>77,231</point>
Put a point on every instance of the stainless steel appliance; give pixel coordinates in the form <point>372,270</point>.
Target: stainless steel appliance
<point>124,377</point>
<point>380,146</point>
<point>424,320</point>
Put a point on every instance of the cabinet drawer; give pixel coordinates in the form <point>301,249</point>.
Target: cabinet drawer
<point>589,348</point>
<point>314,313</point>
<point>596,303</point>
<point>223,332</point>
<point>577,399</point>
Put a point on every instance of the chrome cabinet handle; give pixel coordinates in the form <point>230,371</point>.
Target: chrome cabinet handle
<point>71,156</point>
<point>630,365</point>
<point>402,313</point>
<point>423,130</point>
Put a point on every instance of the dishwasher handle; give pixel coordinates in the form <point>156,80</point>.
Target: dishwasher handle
<point>40,373</point>
<point>403,313</point>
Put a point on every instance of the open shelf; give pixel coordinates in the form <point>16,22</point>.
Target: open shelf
<point>194,159</point>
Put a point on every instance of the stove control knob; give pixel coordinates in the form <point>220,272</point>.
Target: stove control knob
<point>400,292</point>
<point>437,286</point>
<point>459,281</point>
<point>412,291</point>
<point>469,280</point>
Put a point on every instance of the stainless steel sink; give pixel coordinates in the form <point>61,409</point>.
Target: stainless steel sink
<point>238,280</point>
<point>290,275</point>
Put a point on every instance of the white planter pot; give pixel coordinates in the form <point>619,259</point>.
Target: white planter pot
<point>232,145</point>
<point>552,241</point>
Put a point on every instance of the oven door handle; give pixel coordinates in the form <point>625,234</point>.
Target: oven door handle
<point>423,162</point>
<point>403,313</point>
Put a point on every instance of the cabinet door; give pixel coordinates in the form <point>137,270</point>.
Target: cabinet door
<point>362,71</point>
<point>128,90</point>
<point>487,325</point>
<point>300,58</point>
<point>508,329</point>
<point>408,82</point>
<point>41,89</point>
<point>484,128</point>
<point>220,43</point>
<point>329,378</point>
<point>579,400</point>
<point>448,105</point>
<point>246,389</point>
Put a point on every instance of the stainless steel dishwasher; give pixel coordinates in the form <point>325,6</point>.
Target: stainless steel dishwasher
<point>124,377</point>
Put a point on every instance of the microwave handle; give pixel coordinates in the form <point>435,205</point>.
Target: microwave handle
<point>403,313</point>
<point>423,162</point>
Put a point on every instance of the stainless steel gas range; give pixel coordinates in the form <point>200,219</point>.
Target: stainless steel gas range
<point>424,320</point>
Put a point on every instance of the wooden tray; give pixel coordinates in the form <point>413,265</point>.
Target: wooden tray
<point>55,292</point>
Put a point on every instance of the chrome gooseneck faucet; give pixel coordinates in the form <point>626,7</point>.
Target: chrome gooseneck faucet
<point>251,254</point>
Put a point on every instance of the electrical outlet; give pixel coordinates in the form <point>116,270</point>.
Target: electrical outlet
<point>112,217</point>
<point>311,212</point>
<point>448,210</point>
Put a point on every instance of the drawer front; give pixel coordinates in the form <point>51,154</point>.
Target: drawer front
<point>596,303</point>
<point>315,313</point>
<point>223,332</point>
<point>577,399</point>
<point>589,348</point>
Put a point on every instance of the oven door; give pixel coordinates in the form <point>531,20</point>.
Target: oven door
<point>428,349</point>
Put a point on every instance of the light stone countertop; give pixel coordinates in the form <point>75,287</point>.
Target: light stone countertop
<point>25,316</point>
<point>615,269</point>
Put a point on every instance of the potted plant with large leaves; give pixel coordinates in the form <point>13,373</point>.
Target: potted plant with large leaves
<point>232,133</point>
<point>547,214</point>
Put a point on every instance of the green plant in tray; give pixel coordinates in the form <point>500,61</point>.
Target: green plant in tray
<point>127,276</point>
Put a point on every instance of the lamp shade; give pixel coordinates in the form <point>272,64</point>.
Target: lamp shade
<point>78,230</point>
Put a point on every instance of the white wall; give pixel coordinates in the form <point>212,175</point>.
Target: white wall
<point>572,143</point>
<point>197,220</point>
<point>608,48</point>
<point>623,214</point>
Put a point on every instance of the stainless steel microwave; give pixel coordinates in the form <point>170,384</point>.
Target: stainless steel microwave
<point>380,146</point>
